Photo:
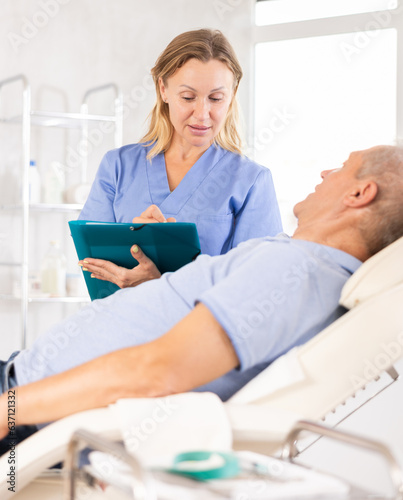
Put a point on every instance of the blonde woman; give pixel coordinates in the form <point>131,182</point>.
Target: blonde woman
<point>189,166</point>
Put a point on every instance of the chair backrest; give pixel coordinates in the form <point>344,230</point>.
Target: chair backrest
<point>381,272</point>
<point>315,378</point>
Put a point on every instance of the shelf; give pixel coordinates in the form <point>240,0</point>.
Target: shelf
<point>24,119</point>
<point>54,300</point>
<point>59,300</point>
<point>11,206</point>
<point>61,120</point>
<point>45,207</point>
<point>4,296</point>
<point>58,207</point>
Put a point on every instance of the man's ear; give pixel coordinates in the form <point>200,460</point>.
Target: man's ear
<point>363,194</point>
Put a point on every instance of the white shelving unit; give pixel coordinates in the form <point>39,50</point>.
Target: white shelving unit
<point>26,120</point>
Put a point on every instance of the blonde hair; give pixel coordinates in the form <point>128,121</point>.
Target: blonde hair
<point>203,45</point>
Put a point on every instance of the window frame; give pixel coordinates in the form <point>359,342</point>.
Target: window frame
<point>331,26</point>
<point>283,2</point>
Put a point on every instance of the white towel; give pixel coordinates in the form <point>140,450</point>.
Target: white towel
<point>155,430</point>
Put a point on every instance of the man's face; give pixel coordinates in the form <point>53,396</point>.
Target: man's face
<point>329,194</point>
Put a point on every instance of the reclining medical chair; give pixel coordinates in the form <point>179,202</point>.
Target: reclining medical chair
<point>307,383</point>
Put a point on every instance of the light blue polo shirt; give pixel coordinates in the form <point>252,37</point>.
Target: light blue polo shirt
<point>269,294</point>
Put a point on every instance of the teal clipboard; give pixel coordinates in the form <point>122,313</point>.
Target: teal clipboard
<point>170,245</point>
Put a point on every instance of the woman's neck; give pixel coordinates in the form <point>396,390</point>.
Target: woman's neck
<point>179,160</point>
<point>182,151</point>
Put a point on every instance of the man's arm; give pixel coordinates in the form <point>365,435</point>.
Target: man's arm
<point>194,352</point>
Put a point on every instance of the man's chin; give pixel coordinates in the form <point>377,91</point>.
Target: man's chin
<point>298,206</point>
<point>295,210</point>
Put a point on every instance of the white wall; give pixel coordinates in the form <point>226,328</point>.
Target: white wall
<point>65,47</point>
<point>88,43</point>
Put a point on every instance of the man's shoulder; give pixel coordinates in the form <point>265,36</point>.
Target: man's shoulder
<point>326,255</point>
<point>285,249</point>
<point>262,240</point>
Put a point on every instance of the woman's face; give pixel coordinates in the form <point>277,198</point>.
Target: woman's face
<point>198,95</point>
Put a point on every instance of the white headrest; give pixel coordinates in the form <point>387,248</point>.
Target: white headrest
<point>379,273</point>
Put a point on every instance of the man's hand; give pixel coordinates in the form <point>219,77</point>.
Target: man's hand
<point>107,271</point>
<point>152,214</point>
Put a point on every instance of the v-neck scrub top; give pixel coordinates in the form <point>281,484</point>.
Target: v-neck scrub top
<point>229,197</point>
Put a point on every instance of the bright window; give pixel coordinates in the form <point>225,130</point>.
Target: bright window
<point>286,11</point>
<point>318,99</point>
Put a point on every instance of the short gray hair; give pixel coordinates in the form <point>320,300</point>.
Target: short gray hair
<point>384,225</point>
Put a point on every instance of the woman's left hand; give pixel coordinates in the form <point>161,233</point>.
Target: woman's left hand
<point>122,277</point>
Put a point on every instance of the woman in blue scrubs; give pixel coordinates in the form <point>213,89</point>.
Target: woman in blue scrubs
<point>189,166</point>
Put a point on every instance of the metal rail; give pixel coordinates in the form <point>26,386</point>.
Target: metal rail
<point>26,147</point>
<point>83,438</point>
<point>290,449</point>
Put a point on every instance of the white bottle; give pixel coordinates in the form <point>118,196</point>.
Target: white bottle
<point>54,183</point>
<point>10,183</point>
<point>78,193</point>
<point>34,180</point>
<point>53,271</point>
<point>6,269</point>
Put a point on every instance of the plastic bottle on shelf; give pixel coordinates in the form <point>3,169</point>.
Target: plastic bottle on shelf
<point>78,193</point>
<point>54,183</point>
<point>6,274</point>
<point>75,283</point>
<point>10,182</point>
<point>34,180</point>
<point>53,271</point>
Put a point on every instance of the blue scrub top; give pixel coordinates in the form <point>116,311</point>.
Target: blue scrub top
<point>229,197</point>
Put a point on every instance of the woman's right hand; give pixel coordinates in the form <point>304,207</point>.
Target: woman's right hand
<point>152,214</point>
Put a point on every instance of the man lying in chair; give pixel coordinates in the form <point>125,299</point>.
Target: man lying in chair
<point>215,323</point>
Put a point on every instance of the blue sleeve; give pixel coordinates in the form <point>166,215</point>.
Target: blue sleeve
<point>99,204</point>
<point>260,214</point>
